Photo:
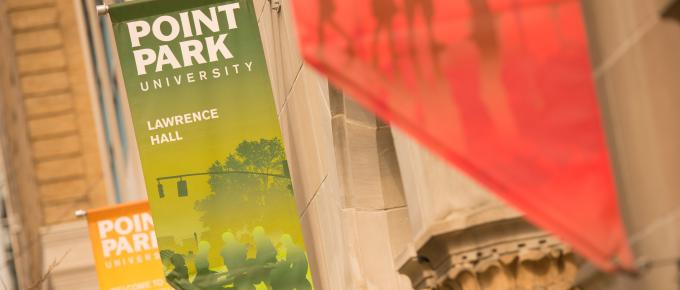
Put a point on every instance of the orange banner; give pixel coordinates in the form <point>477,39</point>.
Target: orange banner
<point>125,248</point>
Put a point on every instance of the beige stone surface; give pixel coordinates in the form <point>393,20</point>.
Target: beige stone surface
<point>55,108</point>
<point>260,7</point>
<point>379,234</point>
<point>326,241</point>
<point>390,173</point>
<point>48,105</point>
<point>63,190</point>
<point>62,211</point>
<point>23,4</point>
<point>399,231</point>
<point>36,40</point>
<point>55,213</point>
<point>41,61</point>
<point>56,147</point>
<point>58,104</point>
<point>45,83</point>
<point>59,169</point>
<point>352,249</point>
<point>435,191</point>
<point>362,172</point>
<point>281,50</point>
<point>15,143</point>
<point>636,71</point>
<point>355,113</point>
<point>270,53</point>
<point>50,126</point>
<point>306,124</point>
<point>365,155</point>
<point>70,241</point>
<point>286,41</point>
<point>34,18</point>
<point>84,101</point>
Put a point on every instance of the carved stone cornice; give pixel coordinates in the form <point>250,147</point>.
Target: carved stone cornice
<point>417,268</point>
<point>502,251</point>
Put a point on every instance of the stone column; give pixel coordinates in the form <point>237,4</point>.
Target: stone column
<point>636,64</point>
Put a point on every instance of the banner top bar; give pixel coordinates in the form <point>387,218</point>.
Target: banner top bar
<point>102,9</point>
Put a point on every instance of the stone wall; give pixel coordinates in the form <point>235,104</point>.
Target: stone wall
<point>23,208</point>
<point>343,163</point>
<point>48,129</point>
<point>636,68</point>
<point>58,104</point>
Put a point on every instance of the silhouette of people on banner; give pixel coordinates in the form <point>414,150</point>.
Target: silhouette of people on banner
<point>179,277</point>
<point>291,273</point>
<point>235,256</point>
<point>265,256</point>
<point>205,278</point>
<point>242,273</point>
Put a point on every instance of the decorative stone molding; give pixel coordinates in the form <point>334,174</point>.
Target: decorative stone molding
<point>417,269</point>
<point>466,239</point>
<point>503,254</point>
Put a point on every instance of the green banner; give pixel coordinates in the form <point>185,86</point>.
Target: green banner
<point>210,144</point>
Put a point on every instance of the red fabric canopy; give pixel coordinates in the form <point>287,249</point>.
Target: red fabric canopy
<point>502,89</point>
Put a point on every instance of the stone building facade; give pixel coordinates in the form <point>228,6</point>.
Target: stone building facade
<point>367,192</point>
<point>378,210</point>
<point>634,51</point>
<point>58,146</point>
<point>48,131</point>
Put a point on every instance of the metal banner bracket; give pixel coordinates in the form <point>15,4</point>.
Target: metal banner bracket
<point>102,9</point>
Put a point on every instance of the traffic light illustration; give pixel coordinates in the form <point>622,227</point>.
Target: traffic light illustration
<point>183,188</point>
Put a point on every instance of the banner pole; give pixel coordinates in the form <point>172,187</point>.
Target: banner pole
<point>102,9</point>
<point>80,213</point>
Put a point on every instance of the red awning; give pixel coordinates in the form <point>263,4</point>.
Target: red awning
<point>502,89</point>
